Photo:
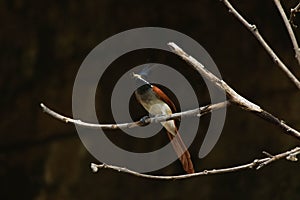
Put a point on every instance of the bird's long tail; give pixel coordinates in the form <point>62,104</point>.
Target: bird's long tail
<point>182,152</point>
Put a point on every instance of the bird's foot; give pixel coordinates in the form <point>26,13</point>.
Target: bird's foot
<point>144,121</point>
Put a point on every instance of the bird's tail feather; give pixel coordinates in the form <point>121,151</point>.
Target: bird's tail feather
<point>182,152</point>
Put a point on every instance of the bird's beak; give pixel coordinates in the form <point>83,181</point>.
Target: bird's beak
<point>140,79</point>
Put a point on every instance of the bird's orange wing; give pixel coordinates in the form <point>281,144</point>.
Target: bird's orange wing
<point>160,94</point>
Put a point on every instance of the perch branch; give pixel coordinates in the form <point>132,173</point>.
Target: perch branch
<point>293,14</point>
<point>258,36</point>
<point>232,95</point>
<point>256,164</point>
<point>289,29</point>
<point>144,121</point>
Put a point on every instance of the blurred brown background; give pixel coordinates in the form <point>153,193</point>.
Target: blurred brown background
<point>42,46</point>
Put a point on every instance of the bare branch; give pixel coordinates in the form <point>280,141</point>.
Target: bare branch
<point>289,155</point>
<point>258,36</point>
<point>256,164</point>
<point>144,121</point>
<point>290,30</point>
<point>293,14</point>
<point>232,95</point>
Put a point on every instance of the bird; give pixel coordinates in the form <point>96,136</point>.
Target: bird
<point>156,102</point>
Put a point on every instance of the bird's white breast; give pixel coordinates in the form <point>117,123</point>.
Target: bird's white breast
<point>161,108</point>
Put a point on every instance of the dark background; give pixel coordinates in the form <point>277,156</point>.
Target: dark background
<point>43,44</point>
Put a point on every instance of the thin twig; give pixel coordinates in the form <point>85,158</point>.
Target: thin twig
<point>256,164</point>
<point>144,121</point>
<point>287,155</point>
<point>293,14</point>
<point>289,29</point>
<point>232,95</point>
<point>258,36</point>
<point>267,154</point>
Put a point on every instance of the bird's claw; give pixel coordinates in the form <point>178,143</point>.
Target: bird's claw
<point>143,121</point>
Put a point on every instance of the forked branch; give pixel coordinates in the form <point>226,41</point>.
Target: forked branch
<point>289,29</point>
<point>232,95</point>
<point>258,36</point>
<point>293,14</point>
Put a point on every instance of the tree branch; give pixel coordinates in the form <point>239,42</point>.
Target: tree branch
<point>256,164</point>
<point>293,14</point>
<point>144,121</point>
<point>232,95</point>
<point>258,36</point>
<point>289,29</point>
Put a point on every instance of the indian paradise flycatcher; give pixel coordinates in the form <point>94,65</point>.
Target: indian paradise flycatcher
<point>156,102</point>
